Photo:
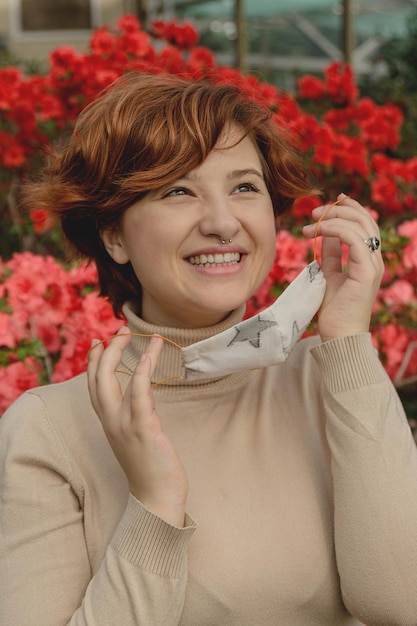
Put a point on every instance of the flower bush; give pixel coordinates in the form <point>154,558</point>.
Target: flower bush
<point>49,310</point>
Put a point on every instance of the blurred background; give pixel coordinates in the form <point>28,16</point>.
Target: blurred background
<point>275,39</point>
<point>358,131</point>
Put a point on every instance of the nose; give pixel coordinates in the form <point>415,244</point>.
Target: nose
<point>219,220</point>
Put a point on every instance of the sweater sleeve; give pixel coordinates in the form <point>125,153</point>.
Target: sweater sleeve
<point>374,472</point>
<point>45,573</point>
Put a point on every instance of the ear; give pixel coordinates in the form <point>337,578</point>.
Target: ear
<point>113,242</point>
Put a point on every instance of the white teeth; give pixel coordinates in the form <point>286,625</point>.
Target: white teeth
<point>208,260</point>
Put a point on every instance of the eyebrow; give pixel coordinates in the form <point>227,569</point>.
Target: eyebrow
<point>245,172</point>
<point>231,175</point>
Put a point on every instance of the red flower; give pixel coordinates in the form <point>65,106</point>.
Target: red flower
<point>288,110</point>
<point>306,128</point>
<point>12,154</point>
<point>40,219</point>
<point>10,83</point>
<point>102,42</point>
<point>379,126</point>
<point>200,62</point>
<point>63,60</point>
<point>339,119</point>
<point>311,88</point>
<point>128,23</point>
<point>351,155</point>
<point>384,191</point>
<point>340,85</point>
<point>303,207</point>
<point>184,36</point>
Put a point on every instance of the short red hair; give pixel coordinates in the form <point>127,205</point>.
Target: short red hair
<point>144,132</point>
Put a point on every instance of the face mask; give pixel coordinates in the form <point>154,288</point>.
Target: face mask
<point>263,340</point>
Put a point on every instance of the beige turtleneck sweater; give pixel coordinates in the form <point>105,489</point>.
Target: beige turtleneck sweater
<point>303,488</point>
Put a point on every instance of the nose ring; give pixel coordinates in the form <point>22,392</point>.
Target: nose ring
<point>223,241</point>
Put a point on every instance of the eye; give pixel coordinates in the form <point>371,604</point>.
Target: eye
<point>177,191</point>
<point>245,187</point>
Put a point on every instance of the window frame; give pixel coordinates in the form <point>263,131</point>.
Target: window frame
<point>19,35</point>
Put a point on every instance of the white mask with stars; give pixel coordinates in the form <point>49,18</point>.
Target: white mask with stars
<point>263,340</point>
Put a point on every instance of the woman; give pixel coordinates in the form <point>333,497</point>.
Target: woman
<point>283,494</point>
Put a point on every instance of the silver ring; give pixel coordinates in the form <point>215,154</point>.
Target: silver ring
<point>373,243</point>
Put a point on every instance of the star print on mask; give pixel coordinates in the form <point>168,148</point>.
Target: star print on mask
<point>251,331</point>
<point>295,335</point>
<point>313,271</point>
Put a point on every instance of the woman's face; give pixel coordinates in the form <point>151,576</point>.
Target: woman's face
<point>172,237</point>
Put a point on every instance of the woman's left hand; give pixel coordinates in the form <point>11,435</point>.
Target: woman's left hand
<point>350,293</point>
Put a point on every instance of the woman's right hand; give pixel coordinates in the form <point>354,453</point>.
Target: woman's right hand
<point>153,469</point>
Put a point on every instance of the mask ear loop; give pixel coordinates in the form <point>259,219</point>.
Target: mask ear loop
<point>316,231</point>
<point>159,382</point>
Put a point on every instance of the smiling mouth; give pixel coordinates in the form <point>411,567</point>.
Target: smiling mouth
<point>215,260</point>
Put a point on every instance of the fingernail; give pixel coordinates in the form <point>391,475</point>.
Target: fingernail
<point>341,196</point>
<point>122,330</point>
<point>155,338</point>
<point>94,342</point>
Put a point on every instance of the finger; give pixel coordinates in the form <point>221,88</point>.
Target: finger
<point>103,379</point>
<point>111,356</point>
<point>361,263</point>
<point>141,384</point>
<point>349,231</point>
<point>94,356</point>
<point>141,396</point>
<point>349,210</point>
<point>153,350</point>
<point>331,255</point>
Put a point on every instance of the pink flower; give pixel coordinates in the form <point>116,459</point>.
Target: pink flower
<point>409,229</point>
<point>291,257</point>
<point>401,292</point>
<point>48,334</point>
<point>261,299</point>
<point>38,284</point>
<point>17,378</point>
<point>93,319</point>
<point>393,341</point>
<point>7,331</point>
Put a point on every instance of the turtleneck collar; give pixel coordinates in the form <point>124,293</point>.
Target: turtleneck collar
<point>169,368</point>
